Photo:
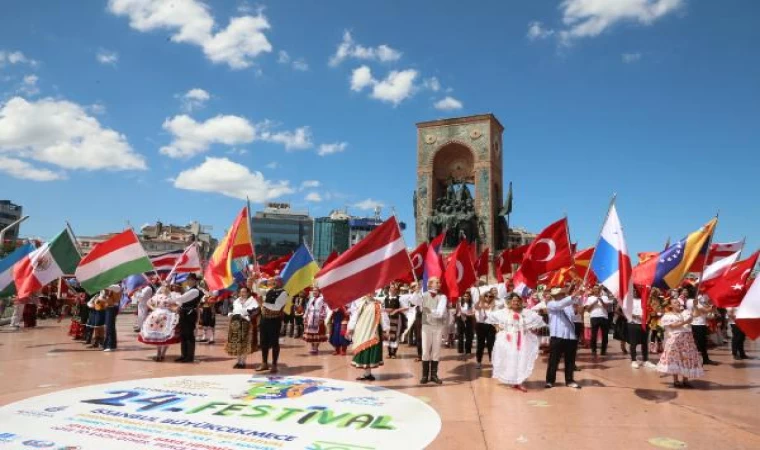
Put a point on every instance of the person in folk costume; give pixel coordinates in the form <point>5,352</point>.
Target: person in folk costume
<point>517,345</point>
<point>367,328</point>
<point>338,326</point>
<point>161,326</point>
<point>270,323</point>
<point>434,319</point>
<point>415,318</point>
<point>395,309</point>
<point>141,298</point>
<point>208,319</point>
<point>299,309</point>
<point>79,313</point>
<point>680,356</point>
<point>97,319</point>
<point>315,315</point>
<point>113,299</point>
<point>239,331</point>
<point>188,318</point>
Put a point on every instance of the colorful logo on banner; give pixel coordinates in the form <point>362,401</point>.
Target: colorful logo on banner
<point>225,412</point>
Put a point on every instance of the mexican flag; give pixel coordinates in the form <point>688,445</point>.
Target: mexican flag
<point>111,261</point>
<point>46,264</point>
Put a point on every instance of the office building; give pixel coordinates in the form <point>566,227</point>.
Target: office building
<point>279,230</point>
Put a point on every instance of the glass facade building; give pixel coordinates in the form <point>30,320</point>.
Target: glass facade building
<point>278,230</point>
<point>9,213</point>
<point>330,234</point>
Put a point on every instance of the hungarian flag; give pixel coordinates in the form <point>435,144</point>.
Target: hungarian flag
<point>717,252</point>
<point>481,265</point>
<point>728,290</point>
<point>417,256</point>
<point>459,273</point>
<point>275,266</point>
<point>550,251</point>
<point>111,261</point>
<point>748,314</point>
<point>51,261</point>
<point>221,270</point>
<point>374,262</point>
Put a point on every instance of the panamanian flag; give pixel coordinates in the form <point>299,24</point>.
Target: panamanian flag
<point>611,262</point>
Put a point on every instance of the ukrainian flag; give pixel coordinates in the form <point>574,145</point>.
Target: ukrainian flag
<point>299,273</point>
<point>674,263</point>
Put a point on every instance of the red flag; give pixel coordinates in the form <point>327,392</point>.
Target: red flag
<point>433,266</point>
<point>481,265</point>
<point>273,267</point>
<point>418,263</point>
<point>330,258</point>
<point>550,251</point>
<point>717,252</point>
<point>728,290</point>
<point>582,262</point>
<point>374,262</point>
<point>502,265</point>
<point>460,273</point>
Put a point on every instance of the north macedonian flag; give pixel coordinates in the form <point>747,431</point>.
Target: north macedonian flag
<point>220,272</point>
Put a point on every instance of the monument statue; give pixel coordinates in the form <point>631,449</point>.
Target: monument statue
<point>454,212</point>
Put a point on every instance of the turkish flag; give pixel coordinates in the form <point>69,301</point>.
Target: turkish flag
<point>460,273</point>
<point>507,258</point>
<point>276,266</point>
<point>550,251</point>
<point>433,265</point>
<point>418,263</point>
<point>330,258</point>
<point>481,265</point>
<point>717,252</point>
<point>728,290</point>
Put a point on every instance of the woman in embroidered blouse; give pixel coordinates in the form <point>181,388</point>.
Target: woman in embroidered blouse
<point>239,332</point>
<point>516,347</point>
<point>160,327</point>
<point>680,356</point>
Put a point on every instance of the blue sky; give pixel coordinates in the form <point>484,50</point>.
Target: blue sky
<point>130,111</point>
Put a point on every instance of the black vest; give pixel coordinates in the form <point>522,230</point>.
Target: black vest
<point>192,304</point>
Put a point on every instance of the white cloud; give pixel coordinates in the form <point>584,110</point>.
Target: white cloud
<point>630,58</point>
<point>348,48</point>
<point>299,64</point>
<point>273,165</point>
<point>396,87</point>
<point>361,77</point>
<point>25,171</point>
<point>191,22</point>
<point>229,178</point>
<point>448,104</point>
<point>191,137</point>
<point>432,83</point>
<point>29,85</point>
<point>589,18</point>
<point>368,204</point>
<point>310,184</point>
<point>300,139</point>
<point>537,31</point>
<point>313,197</point>
<point>107,57</point>
<point>194,99</point>
<point>329,149</point>
<point>15,58</point>
<point>61,133</point>
<point>97,109</point>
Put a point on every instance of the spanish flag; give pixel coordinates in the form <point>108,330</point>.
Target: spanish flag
<point>668,269</point>
<point>220,273</point>
<point>300,271</point>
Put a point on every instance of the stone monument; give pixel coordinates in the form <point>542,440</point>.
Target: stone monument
<point>459,181</point>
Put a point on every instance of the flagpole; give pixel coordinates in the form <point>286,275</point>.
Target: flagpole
<point>609,208</point>
<point>704,264</point>
<point>155,272</point>
<point>393,210</point>
<point>179,260</point>
<point>250,235</point>
<point>74,237</point>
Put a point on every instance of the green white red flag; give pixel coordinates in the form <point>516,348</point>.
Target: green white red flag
<point>111,261</point>
<point>46,264</point>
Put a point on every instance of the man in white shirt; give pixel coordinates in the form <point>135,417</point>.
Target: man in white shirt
<point>597,305</point>
<point>699,310</point>
<point>433,323</point>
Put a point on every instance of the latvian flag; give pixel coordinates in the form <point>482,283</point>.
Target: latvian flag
<point>111,261</point>
<point>374,262</point>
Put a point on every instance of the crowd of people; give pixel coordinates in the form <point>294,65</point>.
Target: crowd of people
<point>678,325</point>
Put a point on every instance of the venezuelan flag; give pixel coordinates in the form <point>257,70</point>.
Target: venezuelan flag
<point>668,269</point>
<point>221,269</point>
<point>300,271</point>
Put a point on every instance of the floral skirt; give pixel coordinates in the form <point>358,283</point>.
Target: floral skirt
<point>160,328</point>
<point>238,337</point>
<point>681,357</point>
<point>319,336</point>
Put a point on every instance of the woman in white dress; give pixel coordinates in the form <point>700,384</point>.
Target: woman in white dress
<point>160,327</point>
<point>516,347</point>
